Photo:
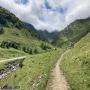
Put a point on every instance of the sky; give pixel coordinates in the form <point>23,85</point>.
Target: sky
<point>48,15</point>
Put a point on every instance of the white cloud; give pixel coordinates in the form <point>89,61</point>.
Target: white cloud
<point>79,9</point>
<point>49,14</point>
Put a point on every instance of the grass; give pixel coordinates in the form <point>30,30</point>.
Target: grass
<point>10,53</point>
<point>23,38</point>
<point>14,30</point>
<point>34,73</point>
<point>20,36</point>
<point>73,33</point>
<point>76,65</point>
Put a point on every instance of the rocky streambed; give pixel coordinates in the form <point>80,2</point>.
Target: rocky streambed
<point>10,67</point>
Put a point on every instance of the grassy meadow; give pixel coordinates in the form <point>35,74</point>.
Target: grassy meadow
<point>34,73</point>
<point>20,36</point>
<point>10,53</point>
<point>76,65</point>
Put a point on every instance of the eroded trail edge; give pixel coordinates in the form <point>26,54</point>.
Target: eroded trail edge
<point>57,80</point>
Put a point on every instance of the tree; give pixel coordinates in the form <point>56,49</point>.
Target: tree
<point>35,50</point>
<point>1,30</point>
<point>24,49</point>
<point>30,51</point>
<point>8,44</point>
<point>44,46</point>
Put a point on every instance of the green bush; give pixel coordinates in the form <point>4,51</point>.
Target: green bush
<point>1,30</point>
<point>35,50</point>
<point>9,44</point>
<point>27,50</point>
<point>44,46</point>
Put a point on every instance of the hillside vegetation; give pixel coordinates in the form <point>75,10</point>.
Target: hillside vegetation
<point>10,53</point>
<point>34,72</point>
<point>19,35</point>
<point>21,39</point>
<point>73,33</point>
<point>76,65</point>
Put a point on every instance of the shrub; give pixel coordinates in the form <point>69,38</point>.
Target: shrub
<point>21,65</point>
<point>44,46</point>
<point>1,30</point>
<point>35,50</point>
<point>8,44</point>
<point>27,50</point>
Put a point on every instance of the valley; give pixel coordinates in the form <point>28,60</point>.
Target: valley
<point>39,60</point>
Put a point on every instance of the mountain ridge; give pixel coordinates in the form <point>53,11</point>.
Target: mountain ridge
<point>20,35</point>
<point>67,37</point>
<point>73,33</point>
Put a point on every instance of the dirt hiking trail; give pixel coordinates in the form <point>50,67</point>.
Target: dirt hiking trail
<point>57,80</point>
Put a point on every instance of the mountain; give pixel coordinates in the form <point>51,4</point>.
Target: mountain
<point>43,35</point>
<point>17,34</point>
<point>14,27</point>
<point>48,36</point>
<point>73,33</point>
<point>9,20</point>
<point>35,69</point>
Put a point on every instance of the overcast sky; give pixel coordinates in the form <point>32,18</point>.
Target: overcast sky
<point>48,14</point>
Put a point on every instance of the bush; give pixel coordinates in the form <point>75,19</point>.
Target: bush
<point>7,44</point>
<point>21,65</point>
<point>1,30</point>
<point>35,50</point>
<point>27,50</point>
<point>24,49</point>
<point>44,46</point>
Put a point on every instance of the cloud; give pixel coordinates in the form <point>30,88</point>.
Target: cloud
<point>79,9</point>
<point>48,14</point>
<point>21,1</point>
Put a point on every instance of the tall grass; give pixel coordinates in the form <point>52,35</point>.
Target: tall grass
<point>76,65</point>
<point>34,73</point>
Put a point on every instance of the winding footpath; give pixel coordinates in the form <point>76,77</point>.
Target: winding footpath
<point>57,80</point>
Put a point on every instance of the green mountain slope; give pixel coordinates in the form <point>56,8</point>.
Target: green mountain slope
<point>76,65</point>
<point>73,33</point>
<point>9,20</point>
<point>17,34</point>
